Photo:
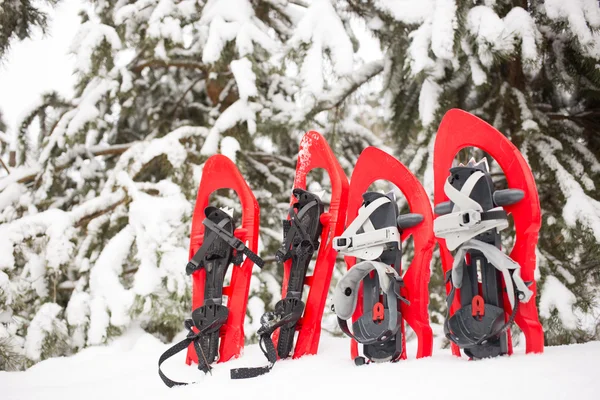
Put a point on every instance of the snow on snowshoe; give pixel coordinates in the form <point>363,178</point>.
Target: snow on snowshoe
<point>216,328</point>
<point>487,289</point>
<point>307,224</point>
<point>373,292</point>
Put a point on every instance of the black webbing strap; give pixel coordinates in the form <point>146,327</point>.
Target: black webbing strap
<point>197,260</point>
<point>268,349</point>
<point>496,214</point>
<point>192,337</point>
<point>290,228</point>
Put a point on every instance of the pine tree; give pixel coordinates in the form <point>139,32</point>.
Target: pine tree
<point>530,68</point>
<point>95,229</point>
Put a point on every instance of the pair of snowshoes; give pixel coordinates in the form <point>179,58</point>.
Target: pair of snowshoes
<point>487,290</point>
<point>215,329</point>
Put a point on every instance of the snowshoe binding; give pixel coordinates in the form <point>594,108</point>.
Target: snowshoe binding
<point>307,232</point>
<point>374,237</point>
<point>214,329</point>
<point>372,291</point>
<point>470,223</point>
<point>487,289</point>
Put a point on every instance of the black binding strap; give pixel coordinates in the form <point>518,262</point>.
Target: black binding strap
<point>290,228</point>
<point>492,215</point>
<point>268,349</point>
<point>192,337</point>
<point>197,261</point>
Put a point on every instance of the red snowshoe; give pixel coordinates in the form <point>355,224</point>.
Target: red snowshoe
<point>373,292</point>
<point>307,229</point>
<point>487,290</point>
<point>216,327</point>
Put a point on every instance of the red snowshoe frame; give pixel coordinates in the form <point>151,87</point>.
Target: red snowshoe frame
<point>372,165</point>
<point>316,153</point>
<point>221,173</point>
<point>458,130</point>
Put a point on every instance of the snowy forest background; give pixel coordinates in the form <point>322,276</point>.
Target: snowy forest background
<point>97,188</point>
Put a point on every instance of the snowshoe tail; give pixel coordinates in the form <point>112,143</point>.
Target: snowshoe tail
<point>375,233</point>
<point>307,231</point>
<point>470,215</point>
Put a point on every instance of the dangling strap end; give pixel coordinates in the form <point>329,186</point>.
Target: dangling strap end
<point>247,373</point>
<point>192,267</point>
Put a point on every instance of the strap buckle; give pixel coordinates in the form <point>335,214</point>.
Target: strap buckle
<point>456,222</point>
<point>365,240</point>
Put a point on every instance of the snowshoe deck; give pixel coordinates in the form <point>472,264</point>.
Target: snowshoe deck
<point>370,311</point>
<point>480,313</point>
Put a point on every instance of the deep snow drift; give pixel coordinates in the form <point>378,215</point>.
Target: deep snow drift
<point>127,369</point>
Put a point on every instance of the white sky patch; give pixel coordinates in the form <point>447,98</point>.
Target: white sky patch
<point>40,64</point>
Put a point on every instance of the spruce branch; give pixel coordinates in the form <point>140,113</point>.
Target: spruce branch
<point>336,96</point>
<point>154,63</point>
<point>4,165</point>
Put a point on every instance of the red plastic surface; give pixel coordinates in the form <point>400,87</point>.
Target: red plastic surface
<point>221,173</point>
<point>458,130</point>
<point>316,153</point>
<point>372,165</point>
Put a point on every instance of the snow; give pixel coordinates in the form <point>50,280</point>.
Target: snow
<point>418,50</point>
<point>488,28</point>
<point>428,101</point>
<point>90,36</point>
<point>445,23</point>
<point>53,223</point>
<point>107,291</point>
<point>240,111</point>
<point>244,78</point>
<point>127,368</point>
<point>228,20</point>
<point>579,206</point>
<point>322,29</point>
<point>229,147</point>
<point>557,296</point>
<point>581,15</point>
<point>43,324</point>
<point>520,23</point>
<point>36,271</point>
<point>407,11</point>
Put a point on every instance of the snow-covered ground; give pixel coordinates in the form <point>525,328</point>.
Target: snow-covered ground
<point>127,369</point>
